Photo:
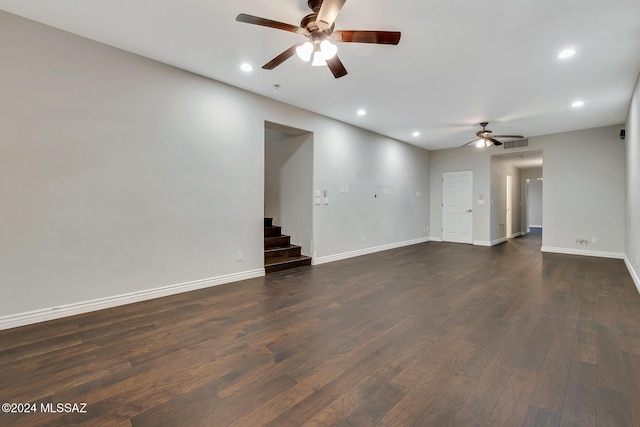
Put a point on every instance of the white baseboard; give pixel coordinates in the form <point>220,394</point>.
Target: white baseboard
<point>22,319</point>
<point>535,226</point>
<point>367,251</point>
<point>518,234</point>
<point>570,251</point>
<point>482,243</point>
<point>632,272</point>
<point>435,238</point>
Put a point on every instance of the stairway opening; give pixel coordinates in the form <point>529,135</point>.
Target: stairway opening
<point>288,195</point>
<point>279,253</point>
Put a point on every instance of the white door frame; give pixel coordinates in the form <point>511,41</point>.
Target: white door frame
<point>509,219</point>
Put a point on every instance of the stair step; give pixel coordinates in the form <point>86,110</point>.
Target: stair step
<point>279,264</point>
<point>277,242</point>
<point>272,231</point>
<point>268,222</point>
<point>290,251</point>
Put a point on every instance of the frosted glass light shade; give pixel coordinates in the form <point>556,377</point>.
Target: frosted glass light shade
<point>305,51</point>
<point>328,49</point>
<point>318,60</point>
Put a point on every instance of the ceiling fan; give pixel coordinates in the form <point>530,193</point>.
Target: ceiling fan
<point>319,28</point>
<point>486,138</point>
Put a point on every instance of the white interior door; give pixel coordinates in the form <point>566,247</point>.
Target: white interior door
<point>457,207</point>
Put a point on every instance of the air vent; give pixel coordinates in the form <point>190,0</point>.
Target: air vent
<point>516,144</point>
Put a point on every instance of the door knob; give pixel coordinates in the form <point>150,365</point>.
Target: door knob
<point>469,210</point>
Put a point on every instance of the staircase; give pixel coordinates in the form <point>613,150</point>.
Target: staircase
<point>279,253</point>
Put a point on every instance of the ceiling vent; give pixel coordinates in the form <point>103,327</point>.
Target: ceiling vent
<point>516,144</point>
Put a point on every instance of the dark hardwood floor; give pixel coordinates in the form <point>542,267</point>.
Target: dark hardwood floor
<point>435,334</point>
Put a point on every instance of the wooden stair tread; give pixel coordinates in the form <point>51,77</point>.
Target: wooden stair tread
<point>286,259</point>
<point>279,248</point>
<point>286,263</point>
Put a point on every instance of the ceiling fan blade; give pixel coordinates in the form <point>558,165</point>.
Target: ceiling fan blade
<point>509,136</point>
<point>336,67</point>
<point>378,37</point>
<point>328,13</point>
<point>470,142</point>
<point>495,141</point>
<point>256,20</point>
<point>281,58</point>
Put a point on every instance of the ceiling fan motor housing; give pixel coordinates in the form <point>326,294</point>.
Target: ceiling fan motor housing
<point>314,5</point>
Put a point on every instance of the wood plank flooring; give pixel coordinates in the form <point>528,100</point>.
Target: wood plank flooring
<point>435,334</point>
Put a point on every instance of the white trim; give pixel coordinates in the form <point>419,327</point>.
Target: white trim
<point>435,238</point>
<point>518,234</point>
<point>22,319</point>
<point>481,243</point>
<point>366,251</point>
<point>498,241</point>
<point>569,251</point>
<point>534,226</point>
<point>632,272</point>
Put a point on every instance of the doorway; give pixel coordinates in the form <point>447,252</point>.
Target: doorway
<point>457,207</point>
<point>534,204</point>
<point>288,182</point>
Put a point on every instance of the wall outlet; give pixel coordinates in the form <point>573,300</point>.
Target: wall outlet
<point>594,240</point>
<point>239,256</point>
<point>364,238</point>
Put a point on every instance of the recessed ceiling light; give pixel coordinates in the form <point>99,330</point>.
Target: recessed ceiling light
<point>361,113</point>
<point>567,53</point>
<point>416,134</point>
<point>246,67</point>
<point>577,104</point>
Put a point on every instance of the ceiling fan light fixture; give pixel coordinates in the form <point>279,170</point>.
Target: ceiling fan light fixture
<point>305,51</point>
<point>481,143</point>
<point>318,60</point>
<point>567,53</point>
<point>328,49</point>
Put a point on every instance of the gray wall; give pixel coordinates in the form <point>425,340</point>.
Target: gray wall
<point>584,189</point>
<point>632,145</point>
<point>461,159</point>
<point>369,165</point>
<point>120,176</point>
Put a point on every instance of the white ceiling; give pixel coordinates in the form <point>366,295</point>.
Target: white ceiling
<point>459,62</point>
